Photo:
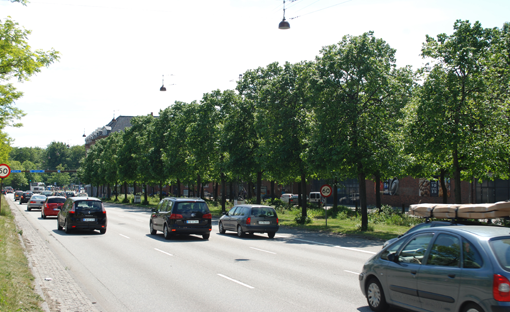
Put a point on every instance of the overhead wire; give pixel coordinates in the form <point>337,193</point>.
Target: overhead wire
<point>319,10</point>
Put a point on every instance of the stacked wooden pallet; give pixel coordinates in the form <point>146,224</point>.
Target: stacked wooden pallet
<point>466,211</point>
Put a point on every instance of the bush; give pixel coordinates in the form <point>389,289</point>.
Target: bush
<point>370,227</point>
<point>302,220</point>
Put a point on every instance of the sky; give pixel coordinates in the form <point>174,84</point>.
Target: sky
<point>114,53</point>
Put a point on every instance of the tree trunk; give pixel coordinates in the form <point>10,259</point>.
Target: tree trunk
<point>231,196</point>
<point>198,186</point>
<point>272,190</point>
<point>160,190</point>
<point>335,193</point>
<point>250,188</point>
<point>146,188</point>
<point>216,192</point>
<point>378,190</point>
<point>303,202</point>
<point>259,186</point>
<point>109,195</point>
<point>363,200</point>
<point>125,190</point>
<point>134,188</point>
<point>116,191</point>
<point>456,177</point>
<point>224,192</point>
<point>178,188</point>
<point>443,186</point>
<point>300,195</point>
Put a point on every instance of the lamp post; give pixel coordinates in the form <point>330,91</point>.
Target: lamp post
<point>163,85</point>
<point>284,24</point>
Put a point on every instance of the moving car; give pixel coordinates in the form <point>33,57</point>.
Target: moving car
<point>449,268</point>
<point>47,193</point>
<point>181,216</point>
<point>82,213</point>
<point>52,206</point>
<point>17,195</point>
<point>36,202</point>
<point>25,197</point>
<point>250,219</point>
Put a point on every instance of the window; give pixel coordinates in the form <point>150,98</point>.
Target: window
<point>471,258</point>
<point>392,249</point>
<point>232,211</point>
<point>56,200</point>
<point>88,205</point>
<point>445,251</point>
<point>414,251</point>
<point>501,248</point>
<point>263,212</point>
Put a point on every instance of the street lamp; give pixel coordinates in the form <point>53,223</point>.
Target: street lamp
<point>284,24</point>
<point>163,86</point>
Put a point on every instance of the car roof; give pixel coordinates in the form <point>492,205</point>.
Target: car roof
<point>477,230</point>
<point>185,199</point>
<point>84,198</point>
<point>56,197</point>
<point>254,206</point>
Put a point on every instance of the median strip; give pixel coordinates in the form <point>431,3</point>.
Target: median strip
<point>236,281</point>
<point>274,253</point>
<point>166,253</point>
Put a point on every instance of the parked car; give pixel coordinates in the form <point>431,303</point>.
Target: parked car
<point>286,197</point>
<point>424,225</point>
<point>314,197</point>
<point>181,216</point>
<point>448,268</point>
<point>25,197</point>
<point>294,199</point>
<point>36,202</point>
<point>82,213</point>
<point>250,219</point>
<point>52,206</point>
<point>17,195</point>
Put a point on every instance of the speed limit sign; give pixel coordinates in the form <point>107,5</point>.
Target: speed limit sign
<point>5,171</point>
<point>326,190</point>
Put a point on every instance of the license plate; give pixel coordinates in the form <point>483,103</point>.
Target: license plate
<point>56,209</point>
<point>89,219</point>
<point>264,222</point>
<point>192,221</point>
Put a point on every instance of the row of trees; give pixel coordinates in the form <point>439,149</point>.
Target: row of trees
<point>350,113</point>
<point>56,156</point>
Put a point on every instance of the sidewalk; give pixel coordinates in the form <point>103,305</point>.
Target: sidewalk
<point>52,281</point>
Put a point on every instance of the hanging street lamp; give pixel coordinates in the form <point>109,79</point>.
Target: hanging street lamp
<point>284,24</point>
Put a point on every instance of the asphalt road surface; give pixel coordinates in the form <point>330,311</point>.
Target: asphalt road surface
<point>127,269</point>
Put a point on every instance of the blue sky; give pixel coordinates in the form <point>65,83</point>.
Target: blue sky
<point>114,52</point>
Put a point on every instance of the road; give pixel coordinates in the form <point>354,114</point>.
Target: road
<point>127,269</point>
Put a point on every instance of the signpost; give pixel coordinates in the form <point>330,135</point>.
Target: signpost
<point>326,191</point>
<point>5,171</point>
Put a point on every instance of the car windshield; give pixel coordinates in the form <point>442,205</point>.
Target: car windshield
<point>263,212</point>
<point>90,205</point>
<point>184,207</point>
<point>501,248</point>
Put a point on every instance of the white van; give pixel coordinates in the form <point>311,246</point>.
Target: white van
<point>314,197</point>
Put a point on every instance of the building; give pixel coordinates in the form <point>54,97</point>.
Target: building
<point>115,125</point>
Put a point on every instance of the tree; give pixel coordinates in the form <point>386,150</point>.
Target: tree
<point>57,153</point>
<point>358,99</point>
<point>453,126</point>
<point>60,178</point>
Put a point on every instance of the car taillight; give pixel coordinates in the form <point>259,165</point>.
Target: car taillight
<point>72,210</point>
<point>248,221</point>
<point>501,288</point>
<point>207,216</point>
<point>277,221</point>
<point>32,202</point>
<point>104,210</point>
<point>175,216</point>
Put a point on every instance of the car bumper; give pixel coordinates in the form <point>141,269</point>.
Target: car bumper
<point>190,230</point>
<point>260,228</point>
<point>34,206</point>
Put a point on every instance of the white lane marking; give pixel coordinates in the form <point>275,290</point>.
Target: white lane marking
<point>124,236</point>
<point>166,253</point>
<point>274,253</point>
<point>236,281</point>
<point>352,272</point>
<point>347,248</point>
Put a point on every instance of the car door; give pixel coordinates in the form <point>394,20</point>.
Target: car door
<point>63,213</point>
<point>439,277</point>
<point>160,214</point>
<point>401,274</point>
<point>228,220</point>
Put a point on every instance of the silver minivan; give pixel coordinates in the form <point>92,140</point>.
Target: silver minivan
<point>464,268</point>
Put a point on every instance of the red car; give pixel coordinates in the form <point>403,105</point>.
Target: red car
<point>52,206</point>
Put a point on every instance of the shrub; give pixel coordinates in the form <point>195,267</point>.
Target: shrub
<point>302,220</point>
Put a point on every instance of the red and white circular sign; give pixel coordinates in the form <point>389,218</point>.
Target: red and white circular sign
<point>326,190</point>
<point>5,171</point>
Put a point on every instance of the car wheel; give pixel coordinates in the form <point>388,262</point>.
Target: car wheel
<point>206,236</point>
<point>153,231</point>
<point>66,228</point>
<point>271,234</point>
<point>102,231</point>
<point>222,229</point>
<point>42,215</point>
<point>166,233</point>
<point>375,296</point>
<point>240,232</point>
<point>472,307</point>
<point>29,209</point>
<point>58,225</point>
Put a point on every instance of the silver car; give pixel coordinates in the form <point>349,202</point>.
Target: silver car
<point>36,202</point>
<point>250,219</point>
<point>465,268</point>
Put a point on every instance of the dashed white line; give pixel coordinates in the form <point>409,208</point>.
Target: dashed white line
<point>355,249</point>
<point>124,236</point>
<point>166,253</point>
<point>236,281</point>
<point>274,253</point>
<point>351,272</point>
<point>347,248</point>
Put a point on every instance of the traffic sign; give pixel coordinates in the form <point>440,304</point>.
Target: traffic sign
<point>5,171</point>
<point>15,171</point>
<point>36,171</point>
<point>326,190</point>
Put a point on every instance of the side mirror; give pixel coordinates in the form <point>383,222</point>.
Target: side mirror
<point>224,213</point>
<point>153,210</point>
<point>393,257</point>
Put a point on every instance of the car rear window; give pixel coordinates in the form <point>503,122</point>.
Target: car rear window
<point>56,200</point>
<point>183,207</point>
<point>90,205</point>
<point>263,212</point>
<point>501,248</point>
<point>38,197</point>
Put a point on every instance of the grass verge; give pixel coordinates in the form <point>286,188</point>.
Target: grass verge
<point>16,280</point>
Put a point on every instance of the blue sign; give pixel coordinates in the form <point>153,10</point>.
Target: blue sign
<point>36,171</point>
<point>16,171</point>
<point>58,171</point>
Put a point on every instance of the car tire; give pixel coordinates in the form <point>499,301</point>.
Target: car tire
<point>472,307</point>
<point>166,233</point>
<point>221,228</point>
<point>59,228</point>
<point>152,230</point>
<point>271,234</point>
<point>206,236</point>
<point>240,232</point>
<point>42,215</point>
<point>29,209</point>
<point>375,296</point>
<point>66,228</point>
<point>102,231</point>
